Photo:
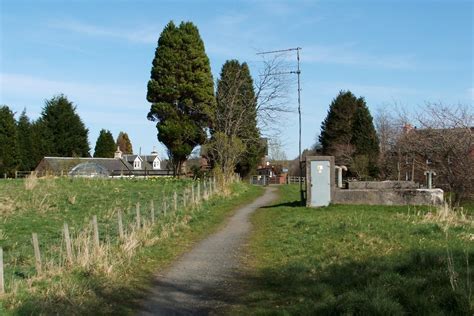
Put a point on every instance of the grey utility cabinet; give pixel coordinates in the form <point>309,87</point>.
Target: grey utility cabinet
<point>321,180</point>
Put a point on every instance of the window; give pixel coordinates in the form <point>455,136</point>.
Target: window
<point>137,164</point>
<point>156,163</point>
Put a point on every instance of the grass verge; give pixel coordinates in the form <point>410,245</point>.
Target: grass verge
<point>87,290</point>
<point>357,260</point>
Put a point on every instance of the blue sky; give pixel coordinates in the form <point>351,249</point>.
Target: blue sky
<point>99,54</point>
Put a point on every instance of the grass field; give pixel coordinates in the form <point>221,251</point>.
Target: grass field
<point>358,260</point>
<point>42,206</point>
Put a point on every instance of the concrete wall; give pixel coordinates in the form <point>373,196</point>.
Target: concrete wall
<point>382,185</point>
<point>389,197</point>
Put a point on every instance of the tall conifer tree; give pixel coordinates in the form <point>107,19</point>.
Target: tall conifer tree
<point>62,131</point>
<point>236,113</point>
<point>27,147</point>
<point>105,145</point>
<point>8,142</point>
<point>181,91</point>
<point>124,143</point>
<point>336,129</point>
<point>348,133</point>
<point>364,138</point>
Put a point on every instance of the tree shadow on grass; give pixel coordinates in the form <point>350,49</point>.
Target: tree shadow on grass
<point>286,204</point>
<point>415,283</point>
<point>91,295</point>
<point>156,297</point>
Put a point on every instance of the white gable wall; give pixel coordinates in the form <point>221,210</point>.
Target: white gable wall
<point>137,163</point>
<point>156,163</point>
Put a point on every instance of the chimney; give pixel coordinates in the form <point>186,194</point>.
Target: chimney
<point>118,153</point>
<point>407,128</point>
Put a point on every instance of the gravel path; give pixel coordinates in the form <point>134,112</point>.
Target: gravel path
<point>201,282</point>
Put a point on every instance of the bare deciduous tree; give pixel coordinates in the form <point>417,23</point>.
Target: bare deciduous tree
<point>445,142</point>
<point>272,94</point>
<point>275,150</point>
<point>389,129</point>
<point>226,151</point>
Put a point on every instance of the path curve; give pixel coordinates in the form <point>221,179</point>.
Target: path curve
<point>201,281</point>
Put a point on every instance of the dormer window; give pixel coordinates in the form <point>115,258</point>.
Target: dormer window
<point>156,163</point>
<point>137,163</point>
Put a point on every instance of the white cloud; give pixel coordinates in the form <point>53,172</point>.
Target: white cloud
<point>147,35</point>
<point>107,96</point>
<point>118,108</point>
<point>348,55</point>
<point>378,91</point>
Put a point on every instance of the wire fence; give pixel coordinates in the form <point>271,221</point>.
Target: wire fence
<point>117,236</point>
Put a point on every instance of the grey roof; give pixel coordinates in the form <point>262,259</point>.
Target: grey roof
<point>113,165</point>
<point>147,161</point>
<point>148,158</point>
<point>67,163</point>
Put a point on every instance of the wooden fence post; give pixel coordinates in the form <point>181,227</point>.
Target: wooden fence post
<point>67,239</point>
<point>138,215</point>
<point>37,253</point>
<point>185,197</point>
<point>198,198</point>
<point>2,279</point>
<point>175,201</point>
<point>152,211</point>
<point>193,199</point>
<point>120,224</point>
<point>95,227</point>
<point>204,190</point>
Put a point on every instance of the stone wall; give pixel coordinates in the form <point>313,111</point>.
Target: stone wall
<point>389,197</point>
<point>382,185</point>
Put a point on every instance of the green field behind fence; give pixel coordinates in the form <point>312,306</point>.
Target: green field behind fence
<point>44,205</point>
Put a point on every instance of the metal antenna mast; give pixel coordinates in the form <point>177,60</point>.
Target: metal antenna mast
<point>297,72</point>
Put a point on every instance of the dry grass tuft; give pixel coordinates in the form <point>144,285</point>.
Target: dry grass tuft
<point>7,205</point>
<point>31,181</point>
<point>71,199</point>
<point>3,235</point>
<point>449,216</point>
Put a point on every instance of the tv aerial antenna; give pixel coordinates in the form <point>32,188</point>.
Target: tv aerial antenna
<point>298,73</point>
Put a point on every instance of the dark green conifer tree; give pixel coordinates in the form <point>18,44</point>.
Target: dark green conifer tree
<point>27,146</point>
<point>63,133</point>
<point>336,129</point>
<point>348,133</point>
<point>37,142</point>
<point>181,91</point>
<point>8,142</point>
<point>236,113</point>
<point>105,145</point>
<point>364,138</point>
